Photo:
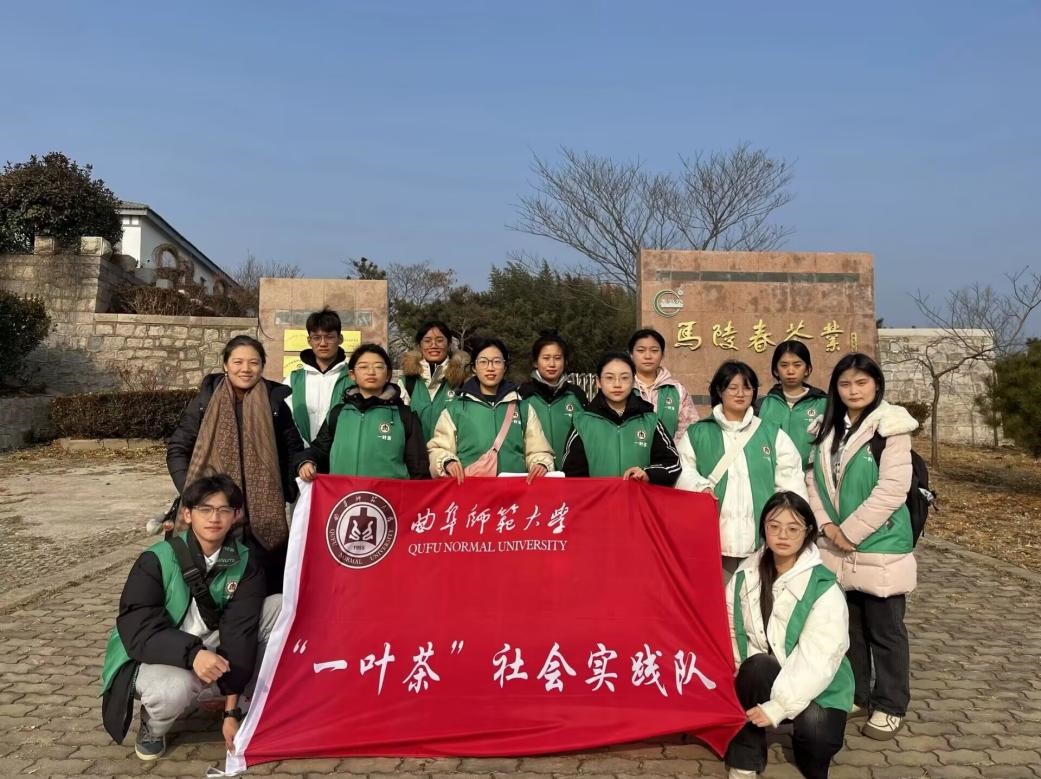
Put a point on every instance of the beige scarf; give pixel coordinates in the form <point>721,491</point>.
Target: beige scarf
<point>217,451</point>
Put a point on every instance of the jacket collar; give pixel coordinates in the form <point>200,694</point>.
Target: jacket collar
<point>794,579</point>
<point>310,361</point>
<point>389,396</point>
<point>729,426</point>
<point>507,391</point>
<point>634,406</point>
<point>539,386</point>
<point>812,393</point>
<point>663,379</point>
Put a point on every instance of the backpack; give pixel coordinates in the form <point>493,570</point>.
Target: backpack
<point>919,497</point>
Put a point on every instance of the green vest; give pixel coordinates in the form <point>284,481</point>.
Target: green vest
<point>556,417</point>
<point>668,408</point>
<point>706,438</point>
<point>612,449</point>
<point>178,596</point>
<point>298,383</point>
<point>427,408</point>
<point>839,693</point>
<point>369,443</point>
<point>794,421</point>
<point>858,480</point>
<point>477,424</point>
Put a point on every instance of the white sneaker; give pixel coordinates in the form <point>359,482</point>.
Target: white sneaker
<point>740,773</point>
<point>881,726</point>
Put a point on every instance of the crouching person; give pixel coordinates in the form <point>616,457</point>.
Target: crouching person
<point>192,613</point>
<point>790,632</point>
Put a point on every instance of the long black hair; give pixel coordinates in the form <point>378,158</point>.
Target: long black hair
<point>835,411</point>
<point>796,504</point>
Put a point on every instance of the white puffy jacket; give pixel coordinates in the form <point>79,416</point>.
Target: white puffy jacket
<point>737,520</point>
<point>319,393</point>
<point>815,660</point>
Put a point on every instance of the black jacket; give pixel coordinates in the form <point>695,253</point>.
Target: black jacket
<point>416,460</point>
<point>548,393</point>
<point>149,636</point>
<point>665,459</point>
<point>180,445</point>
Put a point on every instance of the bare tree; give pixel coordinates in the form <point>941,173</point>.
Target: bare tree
<point>418,283</point>
<point>1002,318</point>
<point>251,271</point>
<point>608,211</point>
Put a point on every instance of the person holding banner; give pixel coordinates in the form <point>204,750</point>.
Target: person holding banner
<point>670,399</point>
<point>192,612</point>
<point>239,424</point>
<point>321,382</point>
<point>619,434</point>
<point>555,399</point>
<point>859,500</point>
<point>790,630</point>
<point>432,374</point>
<point>484,431</point>
<point>792,404</point>
<point>369,432</point>
<point>740,458</point>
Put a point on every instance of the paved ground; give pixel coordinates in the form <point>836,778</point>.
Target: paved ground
<point>975,627</point>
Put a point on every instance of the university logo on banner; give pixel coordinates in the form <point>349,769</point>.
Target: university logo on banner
<point>425,618</point>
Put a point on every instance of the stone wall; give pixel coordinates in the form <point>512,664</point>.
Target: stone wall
<point>908,380</point>
<point>24,421</point>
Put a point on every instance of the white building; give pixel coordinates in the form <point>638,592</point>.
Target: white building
<point>154,244</point>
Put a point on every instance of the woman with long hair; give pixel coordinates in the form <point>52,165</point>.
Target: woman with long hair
<point>241,425</point>
<point>484,429</point>
<point>618,434</point>
<point>789,630</point>
<point>369,431</point>
<point>555,399</point>
<point>859,501</point>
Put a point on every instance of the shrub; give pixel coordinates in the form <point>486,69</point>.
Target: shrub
<point>24,323</point>
<point>1017,397</point>
<point>920,411</point>
<point>189,300</point>
<point>120,414</point>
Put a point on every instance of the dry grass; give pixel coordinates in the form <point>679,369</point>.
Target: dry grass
<point>990,501</point>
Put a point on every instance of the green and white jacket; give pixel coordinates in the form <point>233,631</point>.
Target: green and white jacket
<point>808,633</point>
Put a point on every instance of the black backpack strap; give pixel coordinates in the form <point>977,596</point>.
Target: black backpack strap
<point>878,445</point>
<point>196,582</point>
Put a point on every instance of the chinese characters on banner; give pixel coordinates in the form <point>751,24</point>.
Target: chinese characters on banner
<point>831,336</point>
<point>494,618</point>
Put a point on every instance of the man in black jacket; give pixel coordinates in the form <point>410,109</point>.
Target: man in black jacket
<point>192,613</point>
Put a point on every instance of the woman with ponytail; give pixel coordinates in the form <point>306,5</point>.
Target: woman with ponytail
<point>555,399</point>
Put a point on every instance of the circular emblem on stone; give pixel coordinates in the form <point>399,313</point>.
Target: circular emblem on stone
<point>384,427</point>
<point>361,530</point>
<point>668,302</point>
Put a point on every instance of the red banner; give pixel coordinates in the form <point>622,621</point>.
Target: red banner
<point>495,618</point>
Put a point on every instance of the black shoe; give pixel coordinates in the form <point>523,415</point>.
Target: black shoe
<point>149,746</point>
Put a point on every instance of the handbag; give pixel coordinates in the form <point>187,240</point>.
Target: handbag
<point>488,463</point>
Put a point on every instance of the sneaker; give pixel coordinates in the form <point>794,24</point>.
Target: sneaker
<point>149,746</point>
<point>741,773</point>
<point>881,726</point>
<point>857,712</point>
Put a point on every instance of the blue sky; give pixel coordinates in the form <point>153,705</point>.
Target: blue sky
<point>311,132</point>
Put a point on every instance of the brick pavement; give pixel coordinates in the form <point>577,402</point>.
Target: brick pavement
<point>976,709</point>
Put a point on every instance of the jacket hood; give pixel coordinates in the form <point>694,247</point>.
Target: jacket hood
<point>311,362</point>
<point>726,424</point>
<point>634,406</point>
<point>890,419</point>
<point>547,391</point>
<point>507,391</point>
<point>809,558</point>
<point>455,369</point>
<point>664,378</point>
<point>390,395</point>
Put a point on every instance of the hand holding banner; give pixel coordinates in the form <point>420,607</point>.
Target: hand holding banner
<point>494,618</point>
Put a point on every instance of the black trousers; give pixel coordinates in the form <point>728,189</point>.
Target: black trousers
<point>271,561</point>
<point>817,732</point>
<point>878,639</point>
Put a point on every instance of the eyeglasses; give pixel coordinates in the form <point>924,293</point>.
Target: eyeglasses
<point>326,338</point>
<point>494,362</point>
<point>206,511</point>
<point>785,531</point>
<point>434,342</point>
<point>734,389</point>
<point>376,367</point>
